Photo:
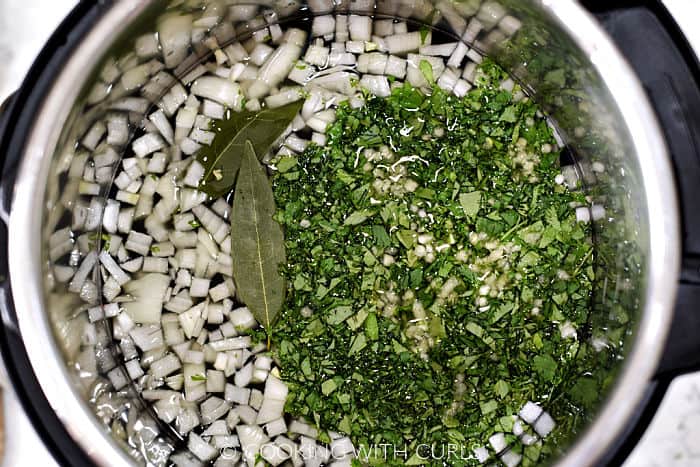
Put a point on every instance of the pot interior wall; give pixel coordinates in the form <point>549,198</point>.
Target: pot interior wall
<point>597,156</point>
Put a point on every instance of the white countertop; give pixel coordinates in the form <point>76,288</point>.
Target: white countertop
<point>673,440</point>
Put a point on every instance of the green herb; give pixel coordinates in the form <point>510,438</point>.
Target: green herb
<point>286,164</point>
<point>328,387</point>
<point>427,69</point>
<point>194,224</point>
<point>198,378</point>
<point>509,114</point>
<point>458,278</point>
<point>222,159</point>
<point>358,217</point>
<point>371,327</point>
<point>106,238</point>
<point>470,203</point>
<point>258,242</point>
<point>545,366</point>
<point>425,28</point>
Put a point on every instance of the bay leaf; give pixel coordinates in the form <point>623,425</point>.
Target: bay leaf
<point>257,241</point>
<point>222,159</point>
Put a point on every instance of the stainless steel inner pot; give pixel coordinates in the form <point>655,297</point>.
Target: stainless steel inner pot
<point>559,51</point>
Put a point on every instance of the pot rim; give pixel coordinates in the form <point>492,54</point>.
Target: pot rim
<point>25,246</point>
<point>662,263</point>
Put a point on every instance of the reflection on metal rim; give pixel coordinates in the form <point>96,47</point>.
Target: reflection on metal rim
<point>663,260</point>
<point>25,246</point>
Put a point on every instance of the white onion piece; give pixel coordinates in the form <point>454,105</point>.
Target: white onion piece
<point>194,174</point>
<point>117,378</point>
<point>490,13</point>
<point>414,74</point>
<point>340,81</point>
<point>544,424</point>
<point>222,291</point>
<point>302,428</point>
<point>192,320</point>
<point>242,318</point>
<point>284,97</point>
<point>400,44</point>
<point>273,454</point>
<point>441,50</point>
<point>186,421</point>
<point>260,53</point>
<point>376,84</point>
<point>117,129</point>
<point>147,337</point>
<point>219,90</point>
<point>252,438</point>
<point>509,25</point>
<point>138,242</point>
<point>312,453</point>
<point>383,27</point>
<point>136,77</point>
<point>165,366</point>
<point>583,214</point>
<point>213,109</point>
<point>82,273</point>
<point>146,46</point>
<point>195,73</point>
<point>360,27</point>
<point>189,147</point>
<point>94,135</point>
<point>236,394</point>
<point>530,412</point>
<point>162,123</point>
<point>279,64</point>
<point>511,459</point>
<point>597,212</point>
<point>98,93</point>
<point>151,264</point>
<point>174,33</point>
<point>244,376</point>
<point>147,144</point>
<point>461,88</point>
<point>317,55</point>
<point>119,275</point>
<point>212,409</point>
<point>148,292</point>
<point>200,448</point>
<point>447,80</point>
<point>322,25</point>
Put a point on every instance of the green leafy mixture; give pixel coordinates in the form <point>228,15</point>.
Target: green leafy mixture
<point>437,277</point>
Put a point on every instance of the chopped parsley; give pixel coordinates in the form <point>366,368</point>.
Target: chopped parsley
<point>431,263</point>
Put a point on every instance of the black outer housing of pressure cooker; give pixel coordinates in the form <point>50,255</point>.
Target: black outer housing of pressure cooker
<point>647,36</point>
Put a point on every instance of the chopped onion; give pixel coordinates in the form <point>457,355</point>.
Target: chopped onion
<point>219,90</point>
<point>148,292</point>
<point>174,35</point>
<point>252,438</point>
<point>200,448</point>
